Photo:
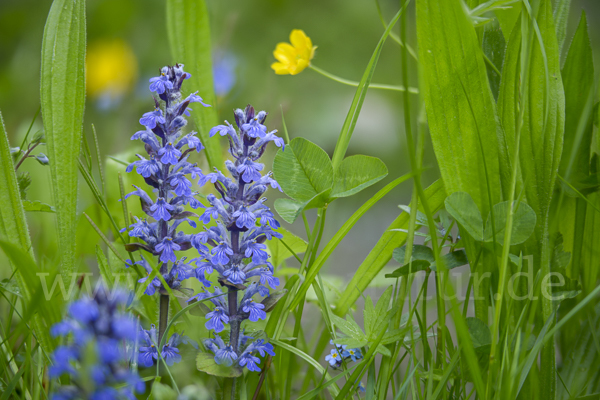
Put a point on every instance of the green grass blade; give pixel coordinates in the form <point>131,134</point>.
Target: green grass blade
<point>188,30</point>
<point>381,253</point>
<point>337,238</point>
<point>359,97</point>
<point>13,228</point>
<point>62,100</point>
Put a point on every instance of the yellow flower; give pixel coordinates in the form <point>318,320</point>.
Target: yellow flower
<point>293,58</point>
<point>111,68</point>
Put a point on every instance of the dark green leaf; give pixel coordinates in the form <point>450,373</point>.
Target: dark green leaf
<point>419,252</point>
<point>480,332</point>
<point>493,47</point>
<point>453,259</point>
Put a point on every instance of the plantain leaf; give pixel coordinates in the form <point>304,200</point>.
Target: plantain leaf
<point>303,170</point>
<point>467,140</point>
<point>356,173</point>
<point>62,101</point>
<point>188,30</point>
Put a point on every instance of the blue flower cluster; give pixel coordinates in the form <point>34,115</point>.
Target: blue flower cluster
<point>340,353</point>
<point>168,172</point>
<point>235,248</point>
<point>148,344</point>
<point>96,354</point>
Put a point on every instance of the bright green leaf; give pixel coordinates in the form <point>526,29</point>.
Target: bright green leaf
<point>280,251</point>
<point>356,173</point>
<point>62,101</point>
<point>303,170</point>
<point>37,205</point>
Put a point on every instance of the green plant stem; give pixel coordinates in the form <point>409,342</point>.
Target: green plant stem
<point>356,84</point>
<point>163,316</point>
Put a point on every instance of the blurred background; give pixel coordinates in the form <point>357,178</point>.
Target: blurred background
<point>127,44</point>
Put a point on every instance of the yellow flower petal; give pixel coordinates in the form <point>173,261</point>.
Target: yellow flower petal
<point>285,53</point>
<point>280,69</point>
<point>302,64</point>
<point>299,40</point>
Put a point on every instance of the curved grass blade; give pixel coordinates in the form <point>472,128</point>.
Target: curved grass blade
<point>62,100</point>
<point>188,30</point>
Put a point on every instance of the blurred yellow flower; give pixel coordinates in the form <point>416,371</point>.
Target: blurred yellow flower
<point>293,58</point>
<point>111,69</point>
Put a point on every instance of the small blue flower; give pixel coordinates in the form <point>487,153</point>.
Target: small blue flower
<point>181,184</point>
<point>256,310</point>
<point>257,252</point>
<point>161,210</point>
<point>150,119</point>
<point>225,356</point>
<point>161,83</point>
<point>262,347</point>
<point>244,218</point>
<point>254,128</point>
<point>61,361</point>
<point>220,253</point>
<point>170,354</point>
<point>166,248</point>
<point>216,319</point>
<point>169,154</point>
<point>268,217</point>
<point>235,275</point>
<point>145,168</point>
<point>334,357</point>
<point>222,130</point>
<point>250,361</point>
<point>353,354</point>
<point>152,285</point>
<point>84,311</point>
<point>250,170</point>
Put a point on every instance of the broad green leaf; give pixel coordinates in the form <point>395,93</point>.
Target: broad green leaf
<point>578,80</point>
<point>480,332</point>
<point>351,330</point>
<point>38,206</point>
<point>467,140</point>
<point>188,29</point>
<point>466,213</point>
<point>14,230</point>
<point>523,224</point>
<point>508,17</point>
<point>205,362</point>
<point>280,252</point>
<point>381,253</point>
<point>303,170</point>
<point>62,101</point>
<point>356,173</point>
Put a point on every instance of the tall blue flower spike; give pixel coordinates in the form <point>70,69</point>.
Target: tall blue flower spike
<point>167,171</point>
<point>96,324</point>
<point>235,248</point>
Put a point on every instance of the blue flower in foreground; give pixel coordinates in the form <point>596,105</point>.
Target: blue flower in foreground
<point>161,83</point>
<point>96,324</point>
<point>217,319</point>
<point>250,361</point>
<point>255,310</point>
